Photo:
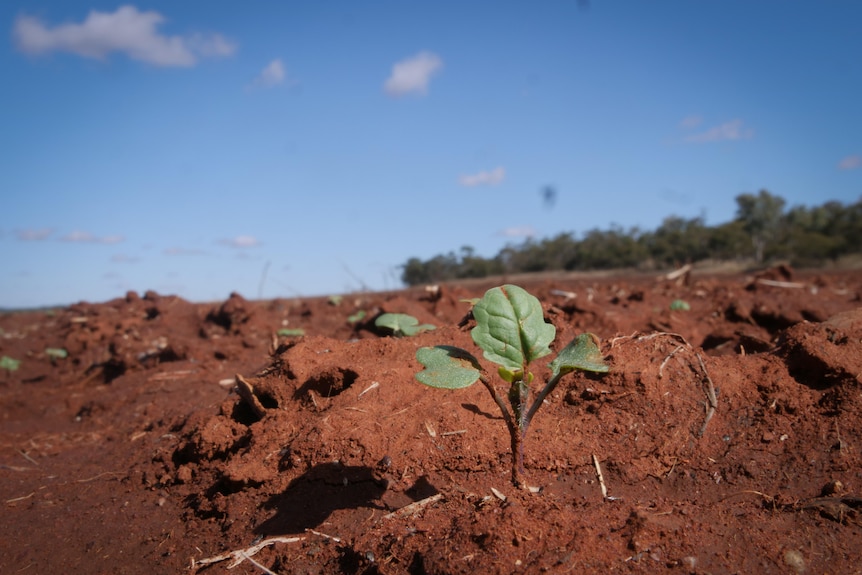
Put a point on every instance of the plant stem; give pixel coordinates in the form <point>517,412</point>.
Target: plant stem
<point>515,434</point>
<point>517,458</point>
<point>519,393</point>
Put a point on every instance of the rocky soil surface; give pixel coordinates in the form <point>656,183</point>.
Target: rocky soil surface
<point>150,435</point>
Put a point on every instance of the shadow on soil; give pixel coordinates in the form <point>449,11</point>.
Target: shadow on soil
<point>472,408</point>
<point>312,497</point>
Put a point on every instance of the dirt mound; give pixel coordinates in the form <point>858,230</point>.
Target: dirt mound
<point>175,436</point>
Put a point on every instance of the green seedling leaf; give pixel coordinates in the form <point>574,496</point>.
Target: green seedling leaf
<point>335,300</point>
<point>582,353</point>
<point>56,352</point>
<point>9,364</point>
<point>402,324</point>
<point>288,332</point>
<point>510,328</point>
<point>447,367</point>
<point>510,376</point>
<point>357,317</point>
<point>679,305</point>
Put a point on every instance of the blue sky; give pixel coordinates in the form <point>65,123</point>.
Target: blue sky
<point>189,147</point>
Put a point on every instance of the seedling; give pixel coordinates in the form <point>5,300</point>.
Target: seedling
<point>56,353</point>
<point>9,363</point>
<point>512,333</point>
<point>290,332</point>
<point>402,324</point>
<point>357,317</point>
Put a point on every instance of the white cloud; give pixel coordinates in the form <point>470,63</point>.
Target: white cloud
<point>732,130</point>
<point>272,75</point>
<point>124,259</point>
<point>176,251</point>
<point>77,236</point>
<point>241,242</point>
<point>126,31</point>
<point>491,178</point>
<point>412,75</point>
<point>33,235</point>
<point>690,122</point>
<point>518,232</point>
<point>86,237</point>
<point>211,45</point>
<point>850,162</point>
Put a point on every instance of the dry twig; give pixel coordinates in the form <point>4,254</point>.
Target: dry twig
<point>712,404</point>
<point>241,555</point>
<point>498,494</point>
<point>667,359</point>
<point>778,284</point>
<point>25,497</point>
<point>246,391</point>
<point>256,564</point>
<point>99,476</point>
<point>414,507</point>
<point>712,400</point>
<point>374,384</point>
<point>679,273</point>
<point>324,535</point>
<point>600,476</point>
<point>168,375</point>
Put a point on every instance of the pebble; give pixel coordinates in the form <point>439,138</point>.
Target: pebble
<point>794,559</point>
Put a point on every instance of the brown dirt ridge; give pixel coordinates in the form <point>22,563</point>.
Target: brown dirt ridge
<point>193,438</point>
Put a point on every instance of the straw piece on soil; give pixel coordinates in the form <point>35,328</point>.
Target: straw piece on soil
<point>246,392</point>
<point>25,497</point>
<point>241,555</point>
<point>710,396</point>
<point>324,535</point>
<point>413,507</point>
<point>374,385</point>
<point>600,476</point>
<point>778,284</point>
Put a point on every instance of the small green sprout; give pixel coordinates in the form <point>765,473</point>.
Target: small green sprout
<point>56,353</point>
<point>335,300</point>
<point>511,330</point>
<point>9,364</point>
<point>357,317</point>
<point>402,324</point>
<point>679,305</point>
<point>291,332</point>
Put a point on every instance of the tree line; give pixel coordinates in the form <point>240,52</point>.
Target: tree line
<point>761,231</point>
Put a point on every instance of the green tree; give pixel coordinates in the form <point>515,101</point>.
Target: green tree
<point>678,241</point>
<point>761,218</point>
<point>475,266</point>
<point>727,241</point>
<point>608,249</point>
<point>806,236</point>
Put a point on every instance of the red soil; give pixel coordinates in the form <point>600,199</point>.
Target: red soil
<point>135,454</point>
